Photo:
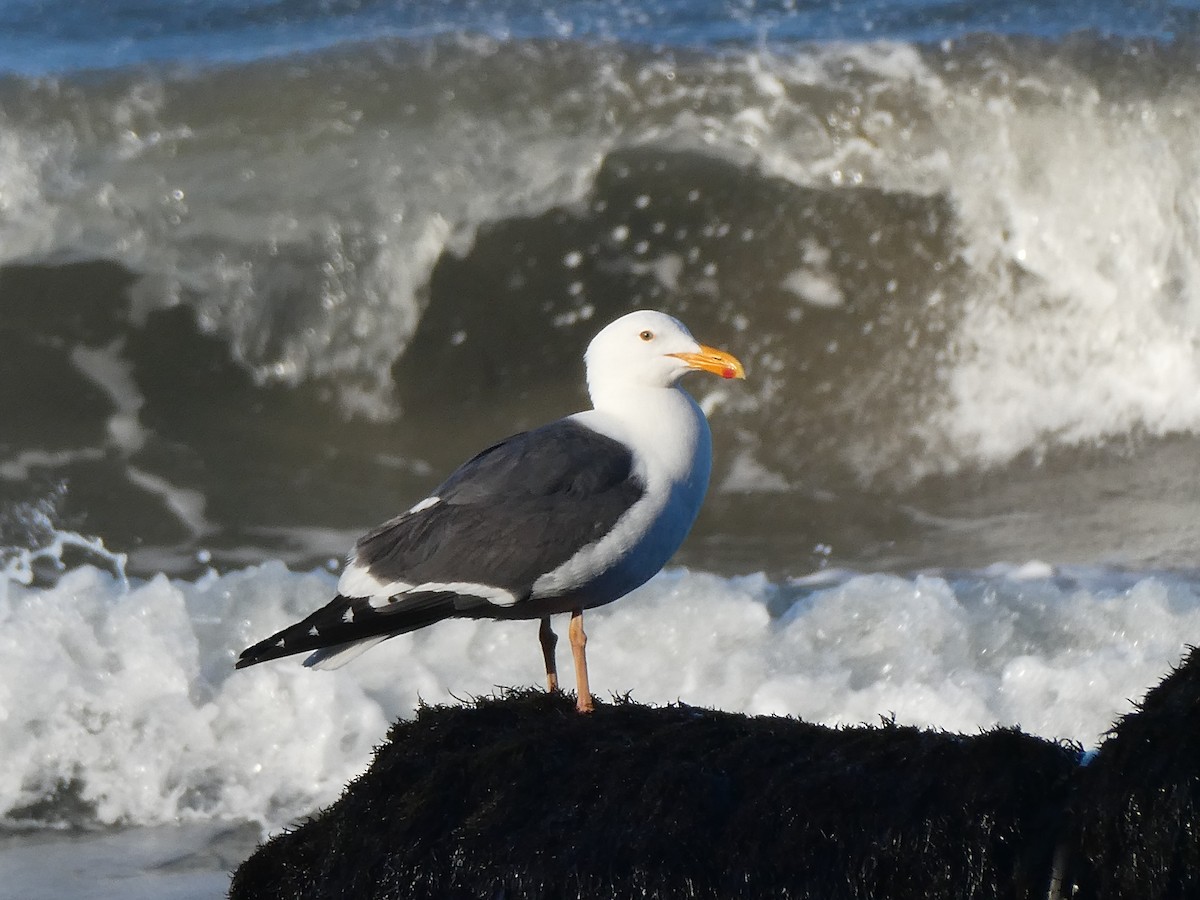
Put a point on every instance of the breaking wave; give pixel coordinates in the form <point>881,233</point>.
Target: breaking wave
<point>934,257</point>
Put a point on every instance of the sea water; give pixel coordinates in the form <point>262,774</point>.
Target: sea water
<point>267,275</point>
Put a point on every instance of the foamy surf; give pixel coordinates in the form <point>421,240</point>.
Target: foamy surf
<point>119,704</point>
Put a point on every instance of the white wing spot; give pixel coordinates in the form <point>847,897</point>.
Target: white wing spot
<point>424,504</point>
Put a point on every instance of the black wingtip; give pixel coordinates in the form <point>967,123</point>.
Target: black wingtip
<point>264,651</point>
<point>248,658</point>
<point>330,626</point>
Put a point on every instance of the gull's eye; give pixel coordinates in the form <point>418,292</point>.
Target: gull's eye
<point>647,335</point>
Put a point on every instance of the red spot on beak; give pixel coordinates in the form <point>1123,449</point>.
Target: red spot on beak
<point>709,359</point>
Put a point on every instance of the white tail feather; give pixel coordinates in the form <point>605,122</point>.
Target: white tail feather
<point>337,656</point>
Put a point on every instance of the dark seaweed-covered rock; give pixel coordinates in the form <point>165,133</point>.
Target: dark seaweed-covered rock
<point>520,797</point>
<point>1135,817</point>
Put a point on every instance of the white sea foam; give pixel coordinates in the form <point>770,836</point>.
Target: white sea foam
<point>126,691</point>
<point>1086,211</point>
<point>108,370</point>
<point>26,217</point>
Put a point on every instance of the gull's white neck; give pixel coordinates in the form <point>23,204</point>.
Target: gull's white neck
<point>664,425</point>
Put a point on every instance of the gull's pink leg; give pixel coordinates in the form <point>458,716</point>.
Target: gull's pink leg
<point>578,645</point>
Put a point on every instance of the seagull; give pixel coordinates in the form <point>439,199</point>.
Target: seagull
<point>566,517</point>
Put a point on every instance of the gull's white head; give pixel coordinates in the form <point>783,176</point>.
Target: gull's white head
<point>648,349</point>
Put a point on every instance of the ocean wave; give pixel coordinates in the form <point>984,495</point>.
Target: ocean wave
<point>936,258</point>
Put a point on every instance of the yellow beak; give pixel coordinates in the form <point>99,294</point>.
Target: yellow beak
<point>710,359</point>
